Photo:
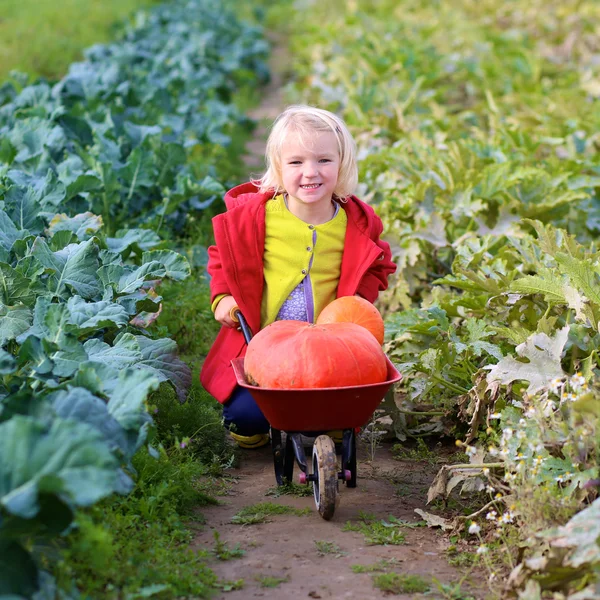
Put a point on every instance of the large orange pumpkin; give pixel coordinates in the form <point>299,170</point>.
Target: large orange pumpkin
<point>352,309</point>
<point>294,354</point>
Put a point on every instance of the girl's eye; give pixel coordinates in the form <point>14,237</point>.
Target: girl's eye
<point>294,162</point>
<point>325,160</point>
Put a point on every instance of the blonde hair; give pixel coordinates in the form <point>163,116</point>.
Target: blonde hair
<point>306,120</point>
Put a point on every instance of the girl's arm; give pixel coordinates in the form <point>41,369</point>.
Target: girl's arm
<point>221,300</point>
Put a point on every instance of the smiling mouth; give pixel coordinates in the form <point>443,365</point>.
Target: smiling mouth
<point>311,186</point>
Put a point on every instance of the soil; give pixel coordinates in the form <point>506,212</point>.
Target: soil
<point>286,546</point>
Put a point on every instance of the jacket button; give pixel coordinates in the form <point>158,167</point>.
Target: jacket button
<point>311,226</point>
<point>303,271</point>
<point>308,248</point>
<point>380,257</point>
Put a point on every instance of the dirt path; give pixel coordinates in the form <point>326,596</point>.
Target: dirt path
<point>313,557</point>
<point>305,556</point>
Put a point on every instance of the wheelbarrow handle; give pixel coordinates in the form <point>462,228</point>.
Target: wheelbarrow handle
<point>238,317</point>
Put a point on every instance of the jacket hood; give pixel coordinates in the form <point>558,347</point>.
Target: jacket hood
<point>243,193</point>
<point>361,212</point>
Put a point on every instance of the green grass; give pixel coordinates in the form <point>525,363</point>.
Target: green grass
<point>381,565</point>
<point>138,542</point>
<point>324,548</point>
<point>290,489</point>
<point>43,37</point>
<point>222,550</point>
<point>260,513</point>
<point>268,581</point>
<point>377,532</point>
<point>395,583</point>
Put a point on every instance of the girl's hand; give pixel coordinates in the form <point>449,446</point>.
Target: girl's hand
<point>222,312</point>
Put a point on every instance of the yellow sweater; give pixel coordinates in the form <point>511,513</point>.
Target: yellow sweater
<point>294,250</point>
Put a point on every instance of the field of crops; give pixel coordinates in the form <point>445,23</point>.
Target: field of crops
<point>477,126</point>
<point>102,174</point>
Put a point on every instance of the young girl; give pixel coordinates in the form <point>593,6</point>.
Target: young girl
<point>288,245</point>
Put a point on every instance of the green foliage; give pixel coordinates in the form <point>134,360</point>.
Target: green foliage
<point>395,583</point>
<point>378,532</point>
<point>126,545</point>
<point>324,547</point>
<point>132,135</point>
<point>289,488</point>
<point>268,581</point>
<point>260,513</point>
<point>381,565</point>
<point>222,550</point>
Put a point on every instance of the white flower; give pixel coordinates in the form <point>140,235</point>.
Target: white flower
<point>471,450</point>
<point>495,415</point>
<point>570,397</point>
<point>486,471</point>
<point>507,433</point>
<point>555,385</point>
<point>491,516</point>
<point>492,451</point>
<point>577,381</point>
<point>490,489</point>
<point>530,412</point>
<point>482,549</point>
<point>474,528</point>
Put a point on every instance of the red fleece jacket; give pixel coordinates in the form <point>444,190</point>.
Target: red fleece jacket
<point>235,265</point>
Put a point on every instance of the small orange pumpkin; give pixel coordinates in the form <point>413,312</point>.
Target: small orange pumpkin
<point>352,309</point>
<point>294,354</point>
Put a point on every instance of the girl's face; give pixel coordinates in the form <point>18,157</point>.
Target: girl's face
<point>310,170</point>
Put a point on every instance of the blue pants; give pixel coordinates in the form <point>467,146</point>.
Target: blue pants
<point>242,414</point>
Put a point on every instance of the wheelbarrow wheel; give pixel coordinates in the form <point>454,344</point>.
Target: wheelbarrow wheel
<point>325,470</point>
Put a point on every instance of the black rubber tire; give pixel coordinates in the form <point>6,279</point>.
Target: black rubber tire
<point>325,469</point>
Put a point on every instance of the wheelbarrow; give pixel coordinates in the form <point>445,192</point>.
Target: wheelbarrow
<point>312,412</point>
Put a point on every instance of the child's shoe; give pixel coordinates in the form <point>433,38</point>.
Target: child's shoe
<point>250,441</point>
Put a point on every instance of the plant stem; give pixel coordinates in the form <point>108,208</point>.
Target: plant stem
<point>451,386</point>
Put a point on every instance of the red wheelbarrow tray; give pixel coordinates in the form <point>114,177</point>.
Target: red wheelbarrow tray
<point>318,409</point>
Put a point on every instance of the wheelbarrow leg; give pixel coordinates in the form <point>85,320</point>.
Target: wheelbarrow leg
<point>297,444</point>
<point>349,457</point>
<point>278,455</point>
<point>288,461</point>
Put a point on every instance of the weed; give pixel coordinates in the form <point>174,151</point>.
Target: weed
<point>371,436</point>
<point>421,452</point>
<point>452,591</point>
<point>377,532</point>
<point>223,552</point>
<point>290,489</point>
<point>260,513</point>
<point>138,541</point>
<point>381,565</point>
<point>268,581</point>
<point>324,548</point>
<point>396,583</point>
<point>460,559</point>
<point>230,585</point>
